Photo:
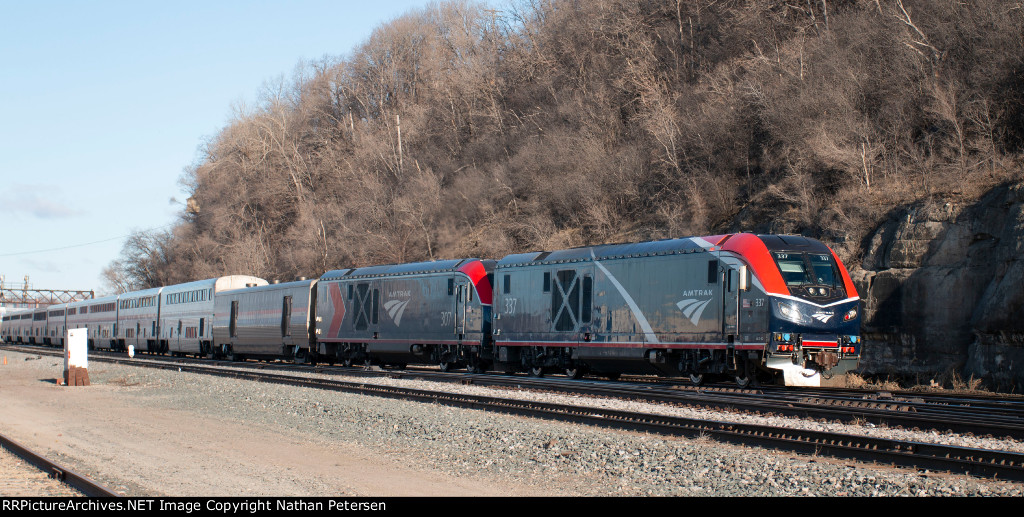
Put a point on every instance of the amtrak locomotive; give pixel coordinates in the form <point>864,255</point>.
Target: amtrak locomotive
<point>748,307</point>
<point>738,305</point>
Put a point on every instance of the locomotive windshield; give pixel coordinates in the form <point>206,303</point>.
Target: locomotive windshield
<point>800,269</point>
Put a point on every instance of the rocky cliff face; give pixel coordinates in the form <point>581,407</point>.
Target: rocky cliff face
<point>943,290</point>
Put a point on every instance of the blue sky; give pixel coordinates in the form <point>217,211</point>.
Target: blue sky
<point>104,104</point>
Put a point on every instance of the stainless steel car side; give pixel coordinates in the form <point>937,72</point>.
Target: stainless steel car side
<point>187,313</point>
<point>17,325</point>
<point>138,314</point>
<point>99,315</point>
<point>266,321</point>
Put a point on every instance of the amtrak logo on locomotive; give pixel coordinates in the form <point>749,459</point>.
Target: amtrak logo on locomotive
<point>822,316</point>
<point>692,307</point>
<point>396,308</point>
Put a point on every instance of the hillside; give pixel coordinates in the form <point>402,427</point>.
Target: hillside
<point>458,130</point>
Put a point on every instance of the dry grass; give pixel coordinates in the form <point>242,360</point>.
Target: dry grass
<point>951,380</point>
<point>854,380</point>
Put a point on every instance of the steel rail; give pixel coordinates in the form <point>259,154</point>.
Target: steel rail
<point>979,462</point>
<point>917,412</point>
<point>965,460</point>
<point>913,413</point>
<point>77,481</point>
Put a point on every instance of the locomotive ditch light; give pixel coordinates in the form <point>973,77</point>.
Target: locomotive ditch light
<point>850,314</point>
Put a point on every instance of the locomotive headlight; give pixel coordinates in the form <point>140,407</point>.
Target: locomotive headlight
<point>850,314</point>
<point>789,312</point>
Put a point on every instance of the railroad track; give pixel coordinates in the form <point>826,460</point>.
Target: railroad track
<point>69,477</point>
<point>973,461</point>
<point>976,415</point>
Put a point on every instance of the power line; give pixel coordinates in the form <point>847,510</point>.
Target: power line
<point>81,245</point>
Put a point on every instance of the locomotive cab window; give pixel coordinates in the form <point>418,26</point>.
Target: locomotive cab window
<point>807,269</point>
<point>823,269</point>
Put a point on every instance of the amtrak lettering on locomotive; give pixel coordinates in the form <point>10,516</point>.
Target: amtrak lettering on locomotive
<point>739,306</point>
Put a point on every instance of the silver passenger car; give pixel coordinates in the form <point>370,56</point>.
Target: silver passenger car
<point>37,332</point>
<point>186,313</point>
<point>99,316</point>
<point>56,324</point>
<point>138,313</point>
<point>17,324</point>
<point>266,321</point>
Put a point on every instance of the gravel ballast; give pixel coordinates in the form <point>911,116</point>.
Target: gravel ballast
<point>481,453</point>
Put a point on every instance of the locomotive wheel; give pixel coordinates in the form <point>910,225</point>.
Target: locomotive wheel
<point>445,366</point>
<point>697,379</point>
<point>536,371</point>
<point>574,373</point>
<point>743,382</point>
<point>346,362</point>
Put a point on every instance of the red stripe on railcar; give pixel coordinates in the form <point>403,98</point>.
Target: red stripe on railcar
<point>821,344</point>
<point>753,250</point>
<point>338,304</point>
<point>478,275</point>
<point>632,344</point>
<point>371,341</point>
